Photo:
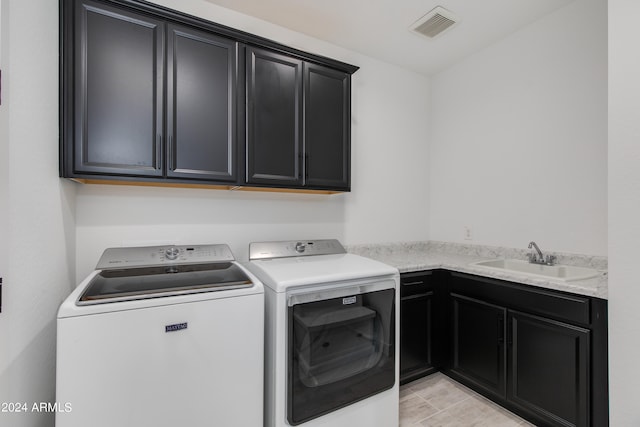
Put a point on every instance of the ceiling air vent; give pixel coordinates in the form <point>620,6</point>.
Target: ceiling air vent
<point>434,23</point>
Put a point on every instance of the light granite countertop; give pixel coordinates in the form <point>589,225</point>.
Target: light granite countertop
<point>430,255</point>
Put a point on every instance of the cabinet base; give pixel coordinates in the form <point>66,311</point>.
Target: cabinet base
<point>414,374</point>
<point>202,186</point>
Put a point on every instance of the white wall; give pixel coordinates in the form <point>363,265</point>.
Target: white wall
<point>388,200</point>
<point>624,211</point>
<point>4,191</point>
<point>37,227</point>
<point>519,138</point>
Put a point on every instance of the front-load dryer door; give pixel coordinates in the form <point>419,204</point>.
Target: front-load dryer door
<point>340,350</point>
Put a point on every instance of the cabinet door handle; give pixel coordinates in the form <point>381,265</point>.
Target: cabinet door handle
<point>158,150</point>
<point>412,283</point>
<point>500,329</point>
<point>416,296</point>
<point>172,154</point>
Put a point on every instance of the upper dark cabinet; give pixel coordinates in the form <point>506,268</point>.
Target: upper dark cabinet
<point>274,118</point>
<point>298,123</point>
<point>150,94</point>
<point>327,127</point>
<point>120,126</point>
<point>118,87</point>
<point>201,105</point>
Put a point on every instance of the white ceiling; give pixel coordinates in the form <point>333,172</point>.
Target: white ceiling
<point>379,28</point>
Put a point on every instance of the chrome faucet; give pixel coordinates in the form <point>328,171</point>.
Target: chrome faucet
<point>539,258</point>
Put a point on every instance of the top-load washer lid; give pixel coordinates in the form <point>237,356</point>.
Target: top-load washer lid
<point>150,272</point>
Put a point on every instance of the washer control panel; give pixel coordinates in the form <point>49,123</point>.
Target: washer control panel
<point>294,248</point>
<point>149,256</point>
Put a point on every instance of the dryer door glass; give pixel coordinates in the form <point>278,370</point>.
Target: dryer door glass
<point>341,350</point>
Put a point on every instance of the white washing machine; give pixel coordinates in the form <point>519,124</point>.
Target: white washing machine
<point>332,337</point>
<point>162,337</point>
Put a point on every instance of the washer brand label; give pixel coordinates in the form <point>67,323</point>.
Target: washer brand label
<point>175,327</point>
<point>349,300</point>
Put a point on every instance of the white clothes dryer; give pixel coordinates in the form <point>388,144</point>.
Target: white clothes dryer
<point>332,338</point>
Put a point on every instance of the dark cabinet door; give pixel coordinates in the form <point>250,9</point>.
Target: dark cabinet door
<point>327,116</point>
<point>478,347</point>
<point>201,105</point>
<point>549,369</point>
<point>416,328</point>
<point>274,119</point>
<point>118,126</point>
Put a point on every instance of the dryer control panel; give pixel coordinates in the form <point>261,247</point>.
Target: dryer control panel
<point>294,248</point>
<point>150,256</point>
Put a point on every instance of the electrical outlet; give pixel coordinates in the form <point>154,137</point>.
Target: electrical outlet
<point>467,232</point>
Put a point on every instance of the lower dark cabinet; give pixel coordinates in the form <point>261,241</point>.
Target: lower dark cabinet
<point>549,369</point>
<point>542,354</point>
<point>542,366</point>
<point>478,347</point>
<point>416,327</point>
<point>541,363</point>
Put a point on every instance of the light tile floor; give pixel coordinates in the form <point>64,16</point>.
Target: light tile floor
<point>438,401</point>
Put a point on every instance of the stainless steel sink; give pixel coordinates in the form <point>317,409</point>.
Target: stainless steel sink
<point>558,271</point>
